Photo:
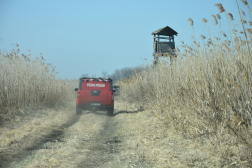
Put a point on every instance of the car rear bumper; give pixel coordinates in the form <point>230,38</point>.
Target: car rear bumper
<point>90,107</point>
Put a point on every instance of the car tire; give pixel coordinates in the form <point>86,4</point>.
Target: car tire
<point>110,111</point>
<point>78,110</point>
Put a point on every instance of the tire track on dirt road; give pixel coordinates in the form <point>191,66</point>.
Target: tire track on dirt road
<point>104,146</point>
<point>92,139</point>
<point>16,151</point>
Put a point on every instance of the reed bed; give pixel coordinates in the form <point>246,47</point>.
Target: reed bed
<point>27,82</point>
<point>207,91</point>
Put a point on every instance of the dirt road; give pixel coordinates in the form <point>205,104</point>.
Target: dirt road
<point>59,138</point>
<point>130,139</point>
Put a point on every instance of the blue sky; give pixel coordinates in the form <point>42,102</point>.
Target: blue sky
<point>84,36</point>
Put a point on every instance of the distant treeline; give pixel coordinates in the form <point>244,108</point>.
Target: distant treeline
<point>119,74</point>
<point>126,72</point>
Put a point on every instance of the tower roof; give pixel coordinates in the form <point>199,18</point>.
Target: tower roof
<point>165,31</point>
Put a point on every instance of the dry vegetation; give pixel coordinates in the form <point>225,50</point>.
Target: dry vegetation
<point>197,110</point>
<point>206,93</point>
<point>29,83</point>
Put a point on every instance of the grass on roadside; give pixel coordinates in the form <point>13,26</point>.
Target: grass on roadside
<point>206,92</point>
<point>29,83</point>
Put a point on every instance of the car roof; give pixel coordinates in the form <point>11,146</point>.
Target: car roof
<point>96,78</point>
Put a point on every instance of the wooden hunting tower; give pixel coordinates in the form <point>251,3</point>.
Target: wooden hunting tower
<point>163,41</point>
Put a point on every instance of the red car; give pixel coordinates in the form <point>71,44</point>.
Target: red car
<point>96,94</point>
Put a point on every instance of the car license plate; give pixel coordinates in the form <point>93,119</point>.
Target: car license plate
<point>95,104</point>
